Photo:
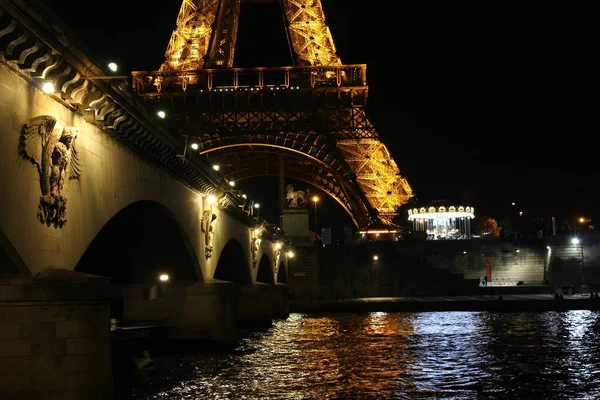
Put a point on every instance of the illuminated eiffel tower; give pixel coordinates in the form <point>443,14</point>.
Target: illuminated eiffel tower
<point>305,121</point>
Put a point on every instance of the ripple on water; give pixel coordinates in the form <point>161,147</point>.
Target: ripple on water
<point>441,355</point>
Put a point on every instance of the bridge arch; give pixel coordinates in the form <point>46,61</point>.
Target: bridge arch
<point>233,264</point>
<point>318,152</point>
<point>11,264</point>
<point>318,168</point>
<point>140,242</point>
<point>282,273</point>
<point>265,271</point>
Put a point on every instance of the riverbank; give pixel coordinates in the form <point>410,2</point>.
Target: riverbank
<point>506,303</point>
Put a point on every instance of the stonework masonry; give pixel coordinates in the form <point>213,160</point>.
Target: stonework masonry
<point>55,337</point>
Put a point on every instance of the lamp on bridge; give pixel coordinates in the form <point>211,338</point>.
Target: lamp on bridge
<point>193,146</point>
<point>49,87</point>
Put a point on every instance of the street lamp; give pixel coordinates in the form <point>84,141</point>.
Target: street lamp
<point>257,206</point>
<point>581,220</point>
<point>315,200</point>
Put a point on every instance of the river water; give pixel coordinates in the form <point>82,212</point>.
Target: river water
<point>428,355</point>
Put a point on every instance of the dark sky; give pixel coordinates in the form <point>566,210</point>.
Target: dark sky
<point>478,101</point>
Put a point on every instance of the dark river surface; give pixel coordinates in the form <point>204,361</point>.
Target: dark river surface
<point>425,355</point>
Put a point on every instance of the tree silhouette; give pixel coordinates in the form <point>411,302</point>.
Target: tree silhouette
<point>488,225</point>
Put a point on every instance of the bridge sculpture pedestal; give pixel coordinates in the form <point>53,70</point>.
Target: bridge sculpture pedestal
<point>294,223</point>
<point>281,301</point>
<point>256,304</point>
<point>55,336</point>
<point>202,311</point>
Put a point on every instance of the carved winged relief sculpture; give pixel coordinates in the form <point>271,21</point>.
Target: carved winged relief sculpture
<point>50,146</point>
<point>276,258</point>
<point>208,224</point>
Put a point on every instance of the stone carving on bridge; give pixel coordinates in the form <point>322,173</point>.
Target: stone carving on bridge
<point>276,257</point>
<point>295,198</point>
<point>254,245</point>
<point>208,225</point>
<point>50,146</point>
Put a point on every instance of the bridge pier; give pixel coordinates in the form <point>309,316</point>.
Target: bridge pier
<point>201,311</point>
<point>55,336</point>
<point>280,302</point>
<point>255,304</point>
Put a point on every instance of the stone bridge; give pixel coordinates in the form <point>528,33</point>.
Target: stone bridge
<point>96,205</point>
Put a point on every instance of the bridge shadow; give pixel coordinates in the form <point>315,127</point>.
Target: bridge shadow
<point>139,243</point>
<point>136,246</point>
<point>265,273</point>
<point>233,265</point>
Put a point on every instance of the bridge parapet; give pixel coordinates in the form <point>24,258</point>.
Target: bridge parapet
<point>42,51</point>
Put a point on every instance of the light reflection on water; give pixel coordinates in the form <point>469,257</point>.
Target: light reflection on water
<point>436,355</point>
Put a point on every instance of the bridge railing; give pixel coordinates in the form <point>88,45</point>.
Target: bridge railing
<point>250,79</point>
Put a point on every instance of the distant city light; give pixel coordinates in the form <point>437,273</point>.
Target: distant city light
<point>195,146</point>
<point>113,67</point>
<point>216,167</point>
<point>575,241</point>
<point>161,114</point>
<point>375,257</point>
<point>164,277</point>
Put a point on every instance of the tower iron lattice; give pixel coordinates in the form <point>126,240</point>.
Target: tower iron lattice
<point>311,114</point>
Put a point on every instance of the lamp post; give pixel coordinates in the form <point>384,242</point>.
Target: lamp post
<point>581,220</point>
<point>315,200</point>
<point>257,206</point>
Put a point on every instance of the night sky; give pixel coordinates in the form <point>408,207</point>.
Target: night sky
<point>478,102</point>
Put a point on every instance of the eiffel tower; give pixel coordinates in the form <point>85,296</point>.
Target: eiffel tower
<point>306,121</point>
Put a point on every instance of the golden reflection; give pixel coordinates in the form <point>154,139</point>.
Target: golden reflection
<point>365,356</point>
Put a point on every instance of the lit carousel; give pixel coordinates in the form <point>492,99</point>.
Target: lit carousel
<point>443,222</point>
